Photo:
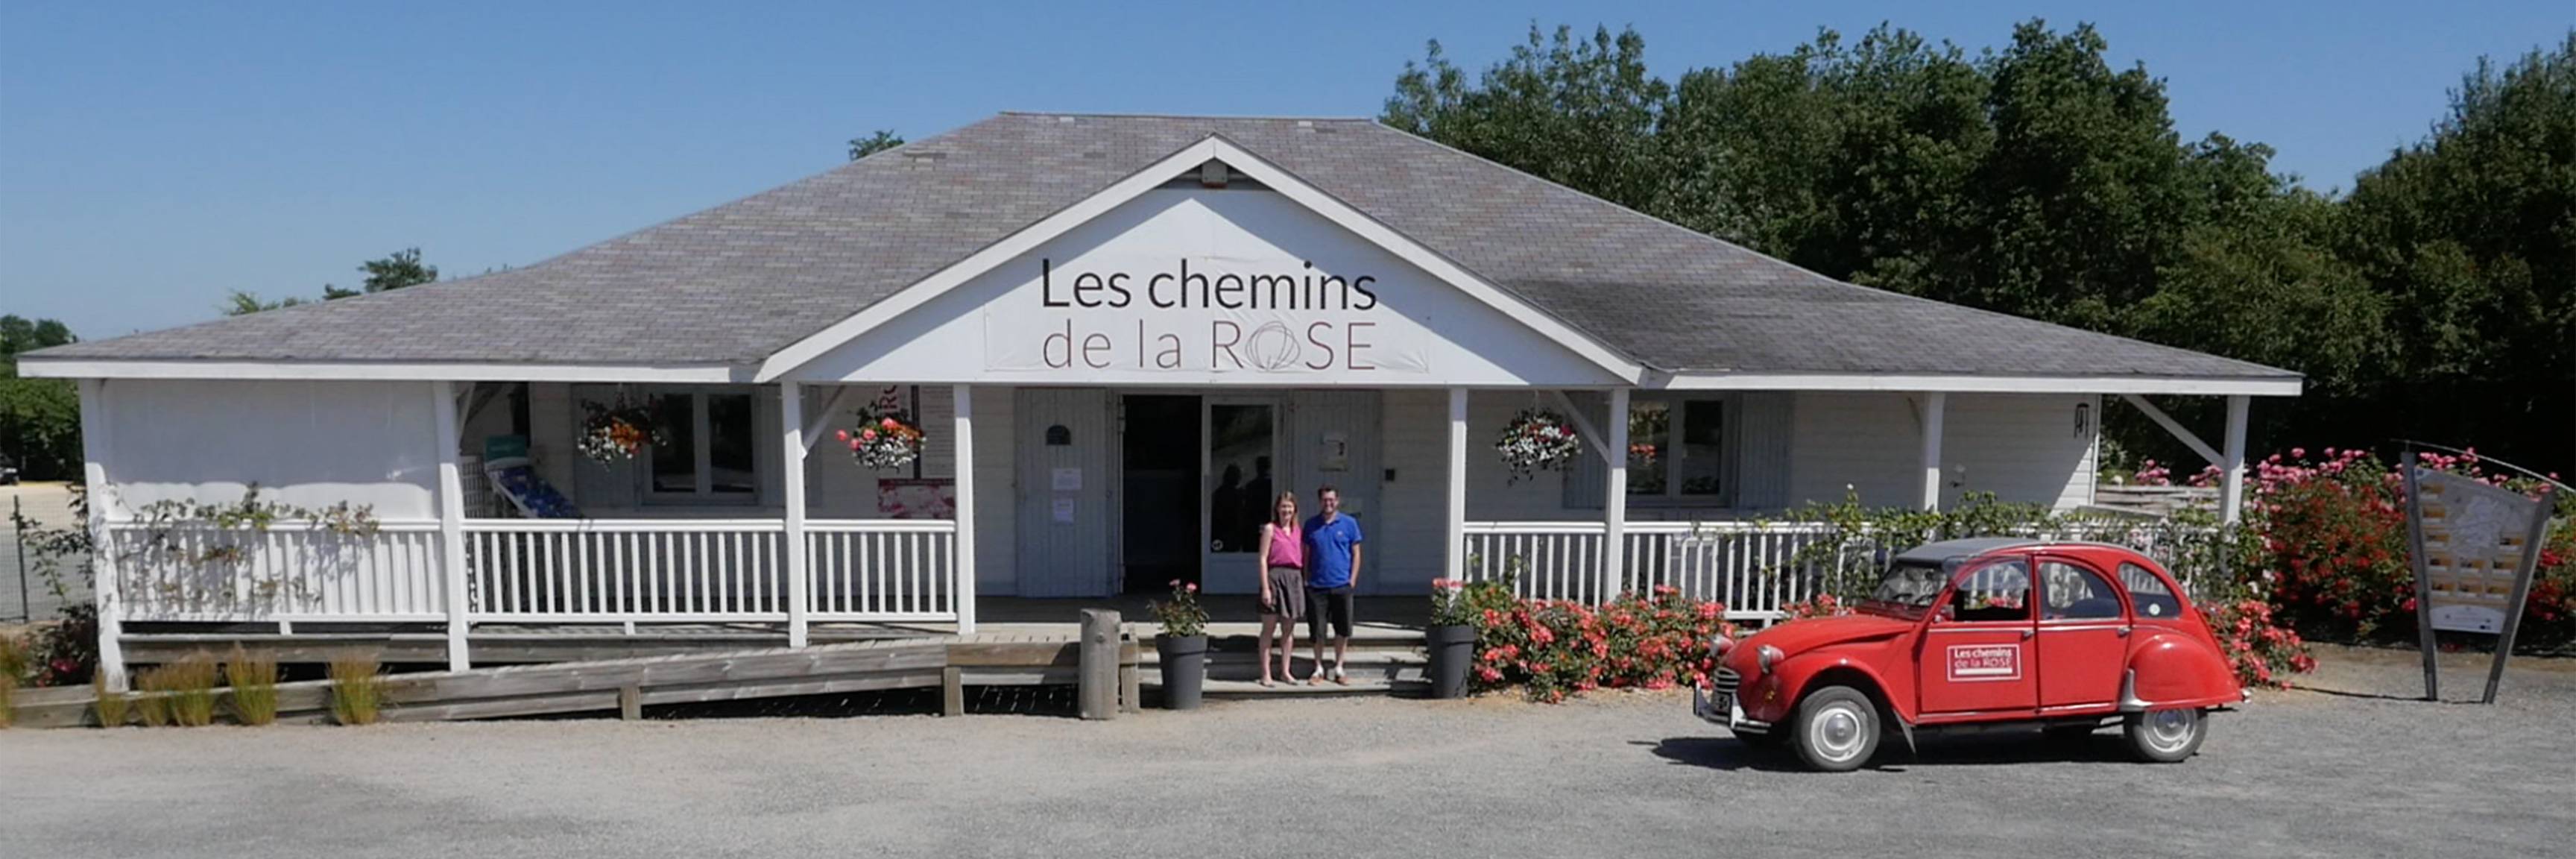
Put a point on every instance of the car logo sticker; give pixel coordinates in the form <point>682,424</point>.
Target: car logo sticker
<point>1981,662</point>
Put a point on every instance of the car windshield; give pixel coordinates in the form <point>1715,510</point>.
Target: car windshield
<point>1908,588</point>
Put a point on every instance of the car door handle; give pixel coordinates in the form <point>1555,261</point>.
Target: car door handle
<point>2026,634</point>
<point>2124,632</point>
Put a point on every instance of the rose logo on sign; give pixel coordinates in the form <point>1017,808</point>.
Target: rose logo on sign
<point>1982,662</point>
<point>1271,347</point>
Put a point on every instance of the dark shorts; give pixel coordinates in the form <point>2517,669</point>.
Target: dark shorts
<point>1331,605</point>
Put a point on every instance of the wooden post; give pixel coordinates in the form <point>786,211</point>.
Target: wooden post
<point>630,702</point>
<point>1131,678</point>
<point>1614,500</point>
<point>952,691</point>
<point>451,524</point>
<point>1099,662</point>
<point>2231,493</point>
<point>1934,404</point>
<point>2415,561</point>
<point>102,500</point>
<point>963,437</point>
<point>1453,557</point>
<point>791,422</point>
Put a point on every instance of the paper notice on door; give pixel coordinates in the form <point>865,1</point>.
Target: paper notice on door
<point>1066,479</point>
<point>1064,511</point>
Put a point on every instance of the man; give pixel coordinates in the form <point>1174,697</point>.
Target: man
<point>1332,572</point>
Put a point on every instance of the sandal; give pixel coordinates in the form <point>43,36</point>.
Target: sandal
<point>1265,683</point>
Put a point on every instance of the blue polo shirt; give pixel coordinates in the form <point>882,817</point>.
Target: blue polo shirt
<point>1328,551</point>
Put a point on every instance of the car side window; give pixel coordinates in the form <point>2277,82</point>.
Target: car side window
<point>1996,591</point>
<point>2071,592</point>
<point>2148,590</point>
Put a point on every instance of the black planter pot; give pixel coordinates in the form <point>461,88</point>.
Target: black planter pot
<point>1453,649</point>
<point>1184,665</point>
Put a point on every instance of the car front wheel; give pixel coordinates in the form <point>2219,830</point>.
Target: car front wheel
<point>1837,729</point>
<point>2166,736</point>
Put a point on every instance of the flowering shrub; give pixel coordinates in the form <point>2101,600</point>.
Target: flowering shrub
<point>885,436</point>
<point>1555,648</point>
<point>2331,557</point>
<point>1537,440</point>
<point>1182,616</point>
<point>2264,653</point>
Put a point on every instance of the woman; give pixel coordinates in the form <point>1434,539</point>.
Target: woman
<point>1283,582</point>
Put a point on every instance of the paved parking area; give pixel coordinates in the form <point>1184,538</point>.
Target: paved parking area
<point>2354,771</point>
<point>50,505</point>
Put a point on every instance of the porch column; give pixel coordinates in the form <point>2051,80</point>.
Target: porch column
<point>1934,403</point>
<point>964,439</point>
<point>791,458</point>
<point>2231,492</point>
<point>1614,498</point>
<point>1453,559</point>
<point>451,522</point>
<point>94,462</point>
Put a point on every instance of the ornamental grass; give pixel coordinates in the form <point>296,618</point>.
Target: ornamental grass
<point>357,688</point>
<point>14,663</point>
<point>112,707</point>
<point>253,677</point>
<point>190,683</point>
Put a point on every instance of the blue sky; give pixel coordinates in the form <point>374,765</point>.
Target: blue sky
<point>154,157</point>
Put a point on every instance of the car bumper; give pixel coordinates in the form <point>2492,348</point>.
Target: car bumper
<point>1719,707</point>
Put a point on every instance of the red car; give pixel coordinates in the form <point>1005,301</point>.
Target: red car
<point>2069,637</point>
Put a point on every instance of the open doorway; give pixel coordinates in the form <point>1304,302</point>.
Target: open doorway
<point>1160,441</point>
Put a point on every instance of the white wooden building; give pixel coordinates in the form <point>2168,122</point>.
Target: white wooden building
<point>1115,330</point>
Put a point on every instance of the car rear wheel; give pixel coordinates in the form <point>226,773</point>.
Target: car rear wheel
<point>2166,736</point>
<point>1836,729</point>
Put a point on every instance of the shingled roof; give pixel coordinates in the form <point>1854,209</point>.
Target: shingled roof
<point>733,284</point>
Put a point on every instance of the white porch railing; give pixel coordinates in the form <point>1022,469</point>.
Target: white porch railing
<point>883,569</point>
<point>538,571</point>
<point>287,572</point>
<point>1753,568</point>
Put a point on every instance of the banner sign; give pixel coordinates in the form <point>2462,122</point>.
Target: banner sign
<point>1202,315</point>
<point>2475,546</point>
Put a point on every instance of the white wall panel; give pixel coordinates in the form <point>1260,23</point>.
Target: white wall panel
<point>310,444</point>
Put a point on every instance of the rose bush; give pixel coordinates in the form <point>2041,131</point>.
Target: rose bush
<point>1555,648</point>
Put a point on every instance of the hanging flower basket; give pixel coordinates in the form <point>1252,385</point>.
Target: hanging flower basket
<point>885,436</point>
<point>1537,440</point>
<point>614,432</point>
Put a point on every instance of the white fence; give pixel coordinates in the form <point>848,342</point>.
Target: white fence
<point>1753,568</point>
<point>539,571</point>
<point>287,572</point>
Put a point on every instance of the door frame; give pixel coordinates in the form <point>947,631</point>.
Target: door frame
<point>1277,401</point>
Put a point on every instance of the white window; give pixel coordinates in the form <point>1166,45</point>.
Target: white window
<point>1681,449</point>
<point>707,457</point>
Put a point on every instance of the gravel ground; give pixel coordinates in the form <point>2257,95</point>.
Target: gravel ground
<point>2354,770</point>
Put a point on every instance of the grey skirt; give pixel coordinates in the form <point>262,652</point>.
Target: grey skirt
<point>1287,594</point>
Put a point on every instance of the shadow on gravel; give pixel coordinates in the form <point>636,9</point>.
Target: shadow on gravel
<point>1990,749</point>
<point>1060,701</point>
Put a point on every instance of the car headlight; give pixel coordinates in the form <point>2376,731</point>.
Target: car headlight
<point>1766,657</point>
<point>1717,647</point>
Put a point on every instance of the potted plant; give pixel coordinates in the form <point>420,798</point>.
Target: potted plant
<point>1537,440</point>
<point>1182,646</point>
<point>1451,639</point>
<point>885,437</point>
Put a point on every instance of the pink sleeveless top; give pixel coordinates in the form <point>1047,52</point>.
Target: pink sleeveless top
<point>1287,546</point>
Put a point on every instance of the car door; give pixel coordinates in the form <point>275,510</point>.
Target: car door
<point>1975,652</point>
<point>2083,636</point>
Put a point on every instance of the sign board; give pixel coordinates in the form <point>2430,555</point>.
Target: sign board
<point>917,498</point>
<point>2474,548</point>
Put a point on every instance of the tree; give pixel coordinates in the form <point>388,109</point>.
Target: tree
<point>2470,235</point>
<point>39,418</point>
<point>882,140</point>
<point>396,270</point>
<point>393,271</point>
